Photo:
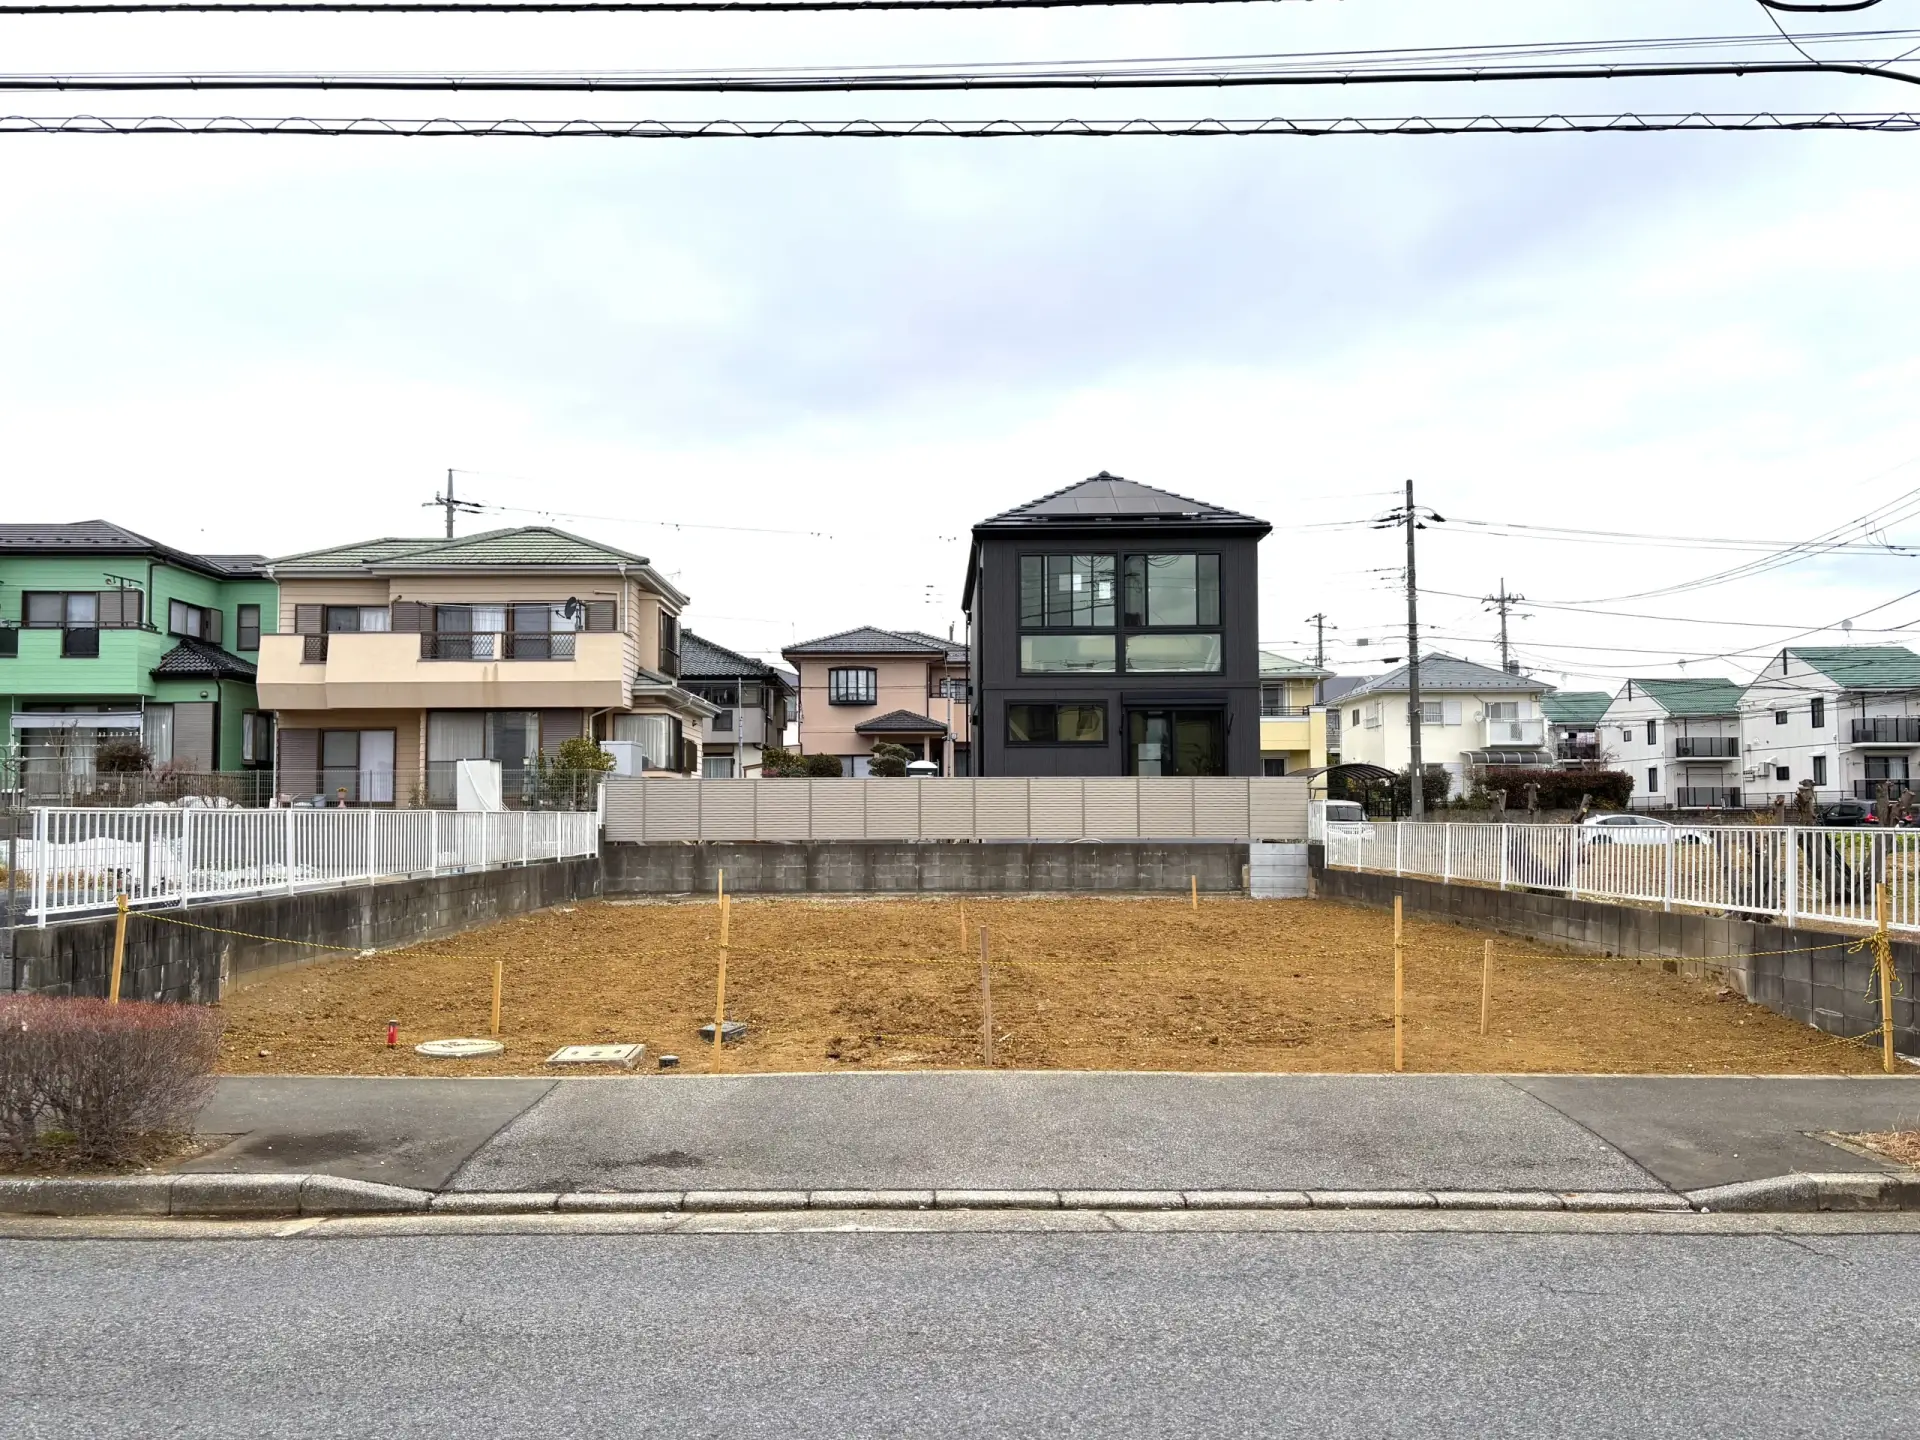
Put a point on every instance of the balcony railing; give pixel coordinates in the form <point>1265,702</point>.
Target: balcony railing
<point>486,645</point>
<point>1577,750</point>
<point>1870,789</point>
<point>1706,747</point>
<point>1273,710</point>
<point>1887,730</point>
<point>1516,732</point>
<point>1707,799</point>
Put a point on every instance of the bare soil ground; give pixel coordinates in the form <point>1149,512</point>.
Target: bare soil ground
<point>1109,984</point>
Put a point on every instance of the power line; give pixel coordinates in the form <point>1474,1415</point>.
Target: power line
<point>523,7</point>
<point>876,81</point>
<point>444,127</point>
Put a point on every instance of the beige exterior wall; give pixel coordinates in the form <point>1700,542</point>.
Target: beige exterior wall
<point>826,729</point>
<point>385,671</point>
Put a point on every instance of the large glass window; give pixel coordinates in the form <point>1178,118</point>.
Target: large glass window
<point>1173,590</point>
<point>1067,654</point>
<point>1199,654</point>
<point>1057,724</point>
<point>1177,742</point>
<point>853,685</point>
<point>1066,592</point>
<point>658,736</point>
<point>359,763</point>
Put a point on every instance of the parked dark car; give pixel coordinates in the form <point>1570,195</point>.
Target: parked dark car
<point>1848,812</point>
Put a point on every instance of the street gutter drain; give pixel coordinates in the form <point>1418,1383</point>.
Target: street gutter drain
<point>462,1049</point>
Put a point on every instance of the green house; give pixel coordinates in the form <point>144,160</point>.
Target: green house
<point>108,638</point>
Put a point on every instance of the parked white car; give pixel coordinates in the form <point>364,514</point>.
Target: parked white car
<point>1637,830</point>
<point>1345,817</point>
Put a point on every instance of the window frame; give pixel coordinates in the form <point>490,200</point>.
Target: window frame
<point>1055,707</point>
<point>1144,571</point>
<point>1817,713</point>
<point>242,629</point>
<point>1819,770</point>
<point>840,692</point>
<point>1044,560</point>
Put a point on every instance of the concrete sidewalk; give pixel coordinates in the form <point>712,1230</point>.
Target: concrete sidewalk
<point>1049,1130</point>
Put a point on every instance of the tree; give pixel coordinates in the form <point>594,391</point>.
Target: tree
<point>776,761</point>
<point>580,753</point>
<point>823,767</point>
<point>889,761</point>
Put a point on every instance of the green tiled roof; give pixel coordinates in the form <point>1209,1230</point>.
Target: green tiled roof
<point>1576,707</point>
<point>1275,666</point>
<point>1691,697</point>
<point>1863,667</point>
<point>519,545</point>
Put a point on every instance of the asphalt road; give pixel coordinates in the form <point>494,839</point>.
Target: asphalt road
<point>1107,1334</point>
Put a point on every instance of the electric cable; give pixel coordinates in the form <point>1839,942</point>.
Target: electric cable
<point>442,127</point>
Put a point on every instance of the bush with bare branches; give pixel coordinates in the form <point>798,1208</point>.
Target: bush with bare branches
<point>105,1074</point>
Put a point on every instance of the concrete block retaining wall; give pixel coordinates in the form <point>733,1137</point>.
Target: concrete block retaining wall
<point>173,962</point>
<point>1277,871</point>
<point>852,867</point>
<point>1828,988</point>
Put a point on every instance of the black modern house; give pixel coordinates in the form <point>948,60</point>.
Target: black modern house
<point>1115,632</point>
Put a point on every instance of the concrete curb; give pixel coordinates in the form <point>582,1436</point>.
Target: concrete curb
<point>257,1196</point>
<point>1857,1190</point>
<point>206,1196</point>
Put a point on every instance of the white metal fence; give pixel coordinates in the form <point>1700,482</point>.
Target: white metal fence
<point>1055,808</point>
<point>74,860</point>
<point>1794,873</point>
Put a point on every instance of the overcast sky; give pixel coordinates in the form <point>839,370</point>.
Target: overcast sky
<point>276,344</point>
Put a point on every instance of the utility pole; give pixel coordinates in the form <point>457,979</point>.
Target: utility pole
<point>1413,520</point>
<point>1417,788</point>
<point>1504,603</point>
<point>1319,623</point>
<point>452,506</point>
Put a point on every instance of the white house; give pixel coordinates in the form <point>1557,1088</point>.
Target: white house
<point>1471,716</point>
<point>1679,740</point>
<point>1845,717</point>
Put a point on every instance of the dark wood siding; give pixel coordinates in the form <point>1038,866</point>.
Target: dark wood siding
<point>996,649</point>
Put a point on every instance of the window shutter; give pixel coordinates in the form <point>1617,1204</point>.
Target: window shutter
<point>409,617</point>
<point>1450,713</point>
<point>306,620</point>
<point>108,607</point>
<point>600,614</point>
<point>300,761</point>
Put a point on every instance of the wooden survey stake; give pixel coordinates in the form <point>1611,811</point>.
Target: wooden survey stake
<point>1399,991</point>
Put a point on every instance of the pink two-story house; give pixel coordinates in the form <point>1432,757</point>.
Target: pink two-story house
<point>868,685</point>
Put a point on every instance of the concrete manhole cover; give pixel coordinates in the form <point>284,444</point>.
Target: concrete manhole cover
<point>459,1049</point>
<point>597,1055</point>
<point>733,1030</point>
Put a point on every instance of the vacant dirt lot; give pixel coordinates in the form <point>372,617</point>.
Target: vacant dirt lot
<point>1077,984</point>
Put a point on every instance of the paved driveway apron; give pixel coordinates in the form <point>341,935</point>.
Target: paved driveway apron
<point>1019,1130</point>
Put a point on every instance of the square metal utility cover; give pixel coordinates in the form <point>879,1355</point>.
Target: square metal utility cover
<point>597,1055</point>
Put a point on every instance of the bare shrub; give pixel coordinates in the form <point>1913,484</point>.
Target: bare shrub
<point>109,1074</point>
<point>23,1068</point>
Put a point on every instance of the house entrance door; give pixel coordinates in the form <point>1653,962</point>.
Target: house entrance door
<point>1176,742</point>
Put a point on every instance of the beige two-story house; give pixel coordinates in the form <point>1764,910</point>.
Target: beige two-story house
<point>397,659</point>
<point>867,685</point>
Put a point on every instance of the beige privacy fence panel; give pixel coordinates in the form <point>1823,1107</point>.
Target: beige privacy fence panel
<point>1055,808</point>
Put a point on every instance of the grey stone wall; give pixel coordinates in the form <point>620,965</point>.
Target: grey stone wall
<point>1826,987</point>
<point>176,963</point>
<point>852,867</point>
